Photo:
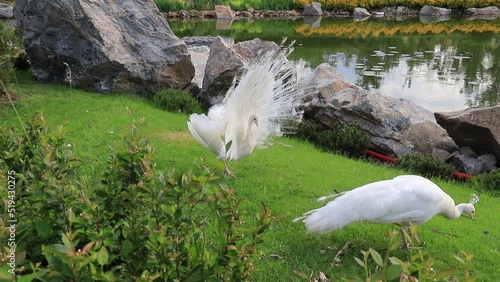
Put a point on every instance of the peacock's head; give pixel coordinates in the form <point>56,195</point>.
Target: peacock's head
<point>469,208</point>
<point>255,120</point>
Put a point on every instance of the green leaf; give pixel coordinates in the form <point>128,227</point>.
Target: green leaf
<point>360,262</point>
<point>393,273</point>
<point>126,248</point>
<point>376,257</point>
<point>57,248</point>
<point>43,229</point>
<point>102,256</point>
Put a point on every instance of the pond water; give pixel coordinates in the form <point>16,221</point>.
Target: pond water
<point>442,66</point>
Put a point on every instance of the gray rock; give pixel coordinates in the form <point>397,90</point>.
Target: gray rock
<point>478,128</point>
<point>118,46</point>
<point>224,12</point>
<point>361,12</point>
<point>193,41</point>
<point>487,13</point>
<point>469,165</point>
<point>6,11</point>
<point>441,154</point>
<point>490,160</point>
<point>467,151</point>
<point>491,10</point>
<point>434,11</point>
<point>396,126</point>
<point>224,64</point>
<point>313,9</point>
<point>199,57</point>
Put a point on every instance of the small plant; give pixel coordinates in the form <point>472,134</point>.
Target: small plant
<point>425,165</point>
<point>419,267</point>
<point>174,100</point>
<point>488,182</point>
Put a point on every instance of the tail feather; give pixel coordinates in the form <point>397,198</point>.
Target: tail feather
<point>266,89</point>
<point>208,133</point>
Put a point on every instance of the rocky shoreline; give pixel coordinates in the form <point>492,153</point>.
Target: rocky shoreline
<point>225,12</point>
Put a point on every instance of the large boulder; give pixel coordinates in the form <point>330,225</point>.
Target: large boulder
<point>224,12</point>
<point>361,12</point>
<point>224,64</point>
<point>478,128</point>
<point>487,11</point>
<point>313,9</point>
<point>434,11</point>
<point>396,126</point>
<point>105,46</point>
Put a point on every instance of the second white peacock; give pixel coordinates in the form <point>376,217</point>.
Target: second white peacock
<point>404,200</point>
<point>253,110</point>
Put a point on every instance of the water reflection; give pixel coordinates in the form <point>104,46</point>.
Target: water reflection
<point>442,66</point>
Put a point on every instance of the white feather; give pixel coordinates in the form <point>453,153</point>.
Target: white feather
<point>252,111</point>
<point>404,200</point>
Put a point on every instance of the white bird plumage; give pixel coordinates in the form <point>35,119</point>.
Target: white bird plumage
<point>404,200</point>
<point>253,109</point>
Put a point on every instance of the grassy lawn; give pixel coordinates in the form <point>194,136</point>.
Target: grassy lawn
<point>288,179</point>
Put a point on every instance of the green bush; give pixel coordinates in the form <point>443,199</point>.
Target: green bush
<point>174,100</point>
<point>308,130</point>
<point>425,165</point>
<point>132,223</point>
<point>488,182</point>
<point>345,139</point>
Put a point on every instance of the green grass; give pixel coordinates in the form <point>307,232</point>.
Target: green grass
<point>287,179</point>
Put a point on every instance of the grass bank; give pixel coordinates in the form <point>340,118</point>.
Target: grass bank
<point>288,179</point>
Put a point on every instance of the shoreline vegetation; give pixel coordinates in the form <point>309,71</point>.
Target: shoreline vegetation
<point>198,8</point>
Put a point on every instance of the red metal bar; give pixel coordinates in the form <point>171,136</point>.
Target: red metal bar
<point>457,174</point>
<point>380,156</point>
<point>462,175</point>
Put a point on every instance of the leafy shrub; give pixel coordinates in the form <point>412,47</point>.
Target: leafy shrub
<point>44,164</point>
<point>10,48</point>
<point>488,182</point>
<point>308,130</point>
<point>134,223</point>
<point>417,267</point>
<point>425,165</point>
<point>345,139</point>
<point>174,100</point>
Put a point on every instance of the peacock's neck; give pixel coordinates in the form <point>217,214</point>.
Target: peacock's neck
<point>459,209</point>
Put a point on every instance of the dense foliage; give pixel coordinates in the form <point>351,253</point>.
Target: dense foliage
<point>345,139</point>
<point>130,222</point>
<point>175,100</point>
<point>9,46</point>
<point>425,165</point>
<point>239,5</point>
<point>488,182</point>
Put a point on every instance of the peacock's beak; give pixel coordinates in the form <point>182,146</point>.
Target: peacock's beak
<point>256,122</point>
<point>468,215</point>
